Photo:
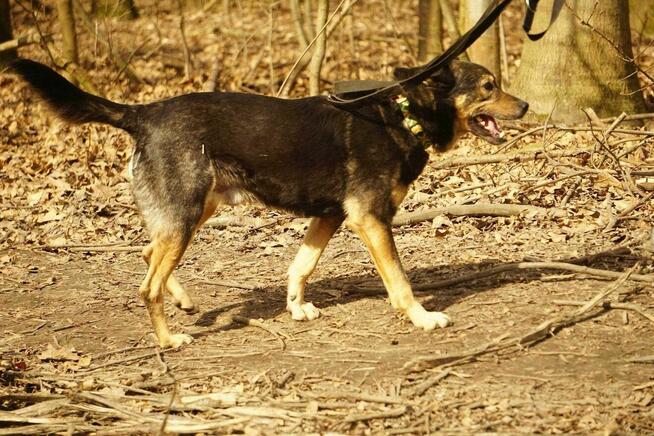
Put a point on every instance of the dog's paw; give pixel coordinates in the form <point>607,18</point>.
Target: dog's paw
<point>427,320</point>
<point>188,307</point>
<point>176,341</point>
<point>302,312</point>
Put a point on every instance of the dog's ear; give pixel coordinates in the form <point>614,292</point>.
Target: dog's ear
<point>443,79</point>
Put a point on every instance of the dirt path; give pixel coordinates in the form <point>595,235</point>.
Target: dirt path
<point>73,324</point>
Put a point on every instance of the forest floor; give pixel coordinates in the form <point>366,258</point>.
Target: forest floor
<point>525,352</point>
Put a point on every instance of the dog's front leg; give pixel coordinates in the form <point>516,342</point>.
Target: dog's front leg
<point>318,235</point>
<point>379,239</point>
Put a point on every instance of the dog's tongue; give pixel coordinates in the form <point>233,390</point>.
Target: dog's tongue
<point>490,124</point>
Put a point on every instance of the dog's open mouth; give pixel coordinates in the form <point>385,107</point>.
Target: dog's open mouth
<point>485,126</point>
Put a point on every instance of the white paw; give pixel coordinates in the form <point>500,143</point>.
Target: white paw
<point>176,341</point>
<point>302,311</point>
<point>427,320</point>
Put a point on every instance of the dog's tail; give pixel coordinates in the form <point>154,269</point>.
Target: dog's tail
<point>71,103</point>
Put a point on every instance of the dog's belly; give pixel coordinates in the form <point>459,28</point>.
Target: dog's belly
<point>233,196</point>
<point>301,193</point>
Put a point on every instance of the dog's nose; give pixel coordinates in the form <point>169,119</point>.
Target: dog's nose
<point>524,107</point>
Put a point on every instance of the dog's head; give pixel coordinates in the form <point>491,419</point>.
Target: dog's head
<point>465,96</point>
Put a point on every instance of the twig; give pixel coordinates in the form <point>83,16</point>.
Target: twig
<point>571,192</point>
<point>188,62</point>
<point>107,249</point>
<point>125,360</point>
<point>255,323</point>
<point>565,177</point>
<point>173,394</point>
<point>88,22</point>
<point>283,89</point>
<point>431,381</point>
<point>640,359</point>
<point>611,305</point>
<point>355,397</point>
<point>474,210</point>
<point>87,246</point>
<point>535,130</point>
<point>393,413</point>
<point>228,284</point>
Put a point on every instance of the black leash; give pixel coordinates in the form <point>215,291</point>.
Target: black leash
<point>461,45</point>
<point>529,18</point>
<point>384,89</point>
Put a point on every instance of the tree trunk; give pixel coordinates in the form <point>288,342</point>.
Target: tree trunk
<point>573,67</point>
<point>486,50</point>
<point>430,29</point>
<point>67,24</point>
<point>319,51</point>
<point>5,32</point>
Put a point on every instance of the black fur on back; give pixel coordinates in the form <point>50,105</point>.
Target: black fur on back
<point>71,103</point>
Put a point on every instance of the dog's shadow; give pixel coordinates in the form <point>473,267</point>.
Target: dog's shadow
<point>269,302</point>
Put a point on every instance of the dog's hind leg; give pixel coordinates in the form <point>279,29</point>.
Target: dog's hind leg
<point>166,251</point>
<point>179,295</point>
<point>378,238</point>
<point>318,235</point>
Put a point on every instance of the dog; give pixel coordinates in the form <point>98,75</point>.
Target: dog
<point>306,156</point>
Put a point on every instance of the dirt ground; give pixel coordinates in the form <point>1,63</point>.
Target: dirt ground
<point>523,355</point>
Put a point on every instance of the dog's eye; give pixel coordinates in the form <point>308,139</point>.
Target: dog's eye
<point>489,86</point>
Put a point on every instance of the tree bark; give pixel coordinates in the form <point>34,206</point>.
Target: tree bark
<point>69,36</point>
<point>430,29</point>
<point>319,51</point>
<point>486,50</point>
<point>5,32</point>
<point>576,66</point>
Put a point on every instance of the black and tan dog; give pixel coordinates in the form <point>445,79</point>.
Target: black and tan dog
<point>306,156</point>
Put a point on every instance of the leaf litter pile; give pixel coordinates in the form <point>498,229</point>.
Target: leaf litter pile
<point>539,249</point>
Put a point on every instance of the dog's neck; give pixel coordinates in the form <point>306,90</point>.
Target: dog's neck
<point>431,128</point>
<point>411,123</point>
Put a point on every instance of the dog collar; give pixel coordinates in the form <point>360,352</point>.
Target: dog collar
<point>410,123</point>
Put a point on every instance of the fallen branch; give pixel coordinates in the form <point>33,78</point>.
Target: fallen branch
<point>509,157</point>
<point>531,337</point>
<point>474,210</point>
<point>21,41</point>
<point>649,279</point>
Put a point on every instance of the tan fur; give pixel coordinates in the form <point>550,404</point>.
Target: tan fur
<point>164,254</point>
<point>318,235</point>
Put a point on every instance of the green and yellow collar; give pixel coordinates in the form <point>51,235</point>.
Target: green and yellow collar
<point>410,123</point>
